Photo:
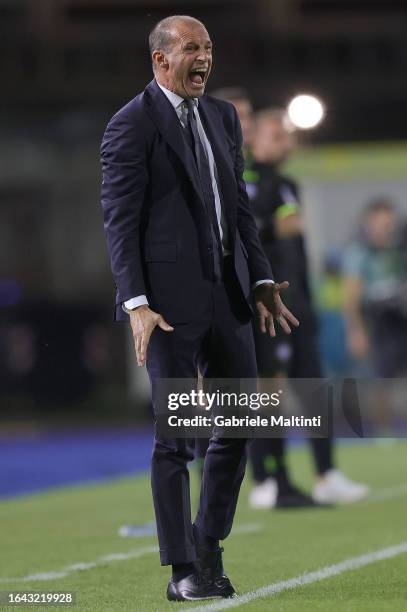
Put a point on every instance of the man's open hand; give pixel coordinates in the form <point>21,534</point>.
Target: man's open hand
<point>143,321</point>
<point>270,308</point>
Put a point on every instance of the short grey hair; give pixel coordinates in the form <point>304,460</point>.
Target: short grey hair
<point>162,35</point>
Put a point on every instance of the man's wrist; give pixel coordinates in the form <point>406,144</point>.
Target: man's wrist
<point>134,303</point>
<point>137,308</point>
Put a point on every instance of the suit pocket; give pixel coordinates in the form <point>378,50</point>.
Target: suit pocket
<point>161,251</point>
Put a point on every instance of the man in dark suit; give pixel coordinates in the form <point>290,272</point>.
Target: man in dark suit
<point>186,260</point>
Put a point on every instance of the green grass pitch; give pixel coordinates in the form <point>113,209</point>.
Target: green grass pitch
<point>48,532</point>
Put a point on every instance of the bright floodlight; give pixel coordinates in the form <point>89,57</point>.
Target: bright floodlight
<point>305,111</point>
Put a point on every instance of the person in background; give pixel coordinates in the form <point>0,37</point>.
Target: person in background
<point>268,143</point>
<point>277,208</point>
<point>375,275</point>
<point>330,299</point>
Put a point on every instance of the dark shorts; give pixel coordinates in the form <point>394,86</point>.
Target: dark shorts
<point>388,333</point>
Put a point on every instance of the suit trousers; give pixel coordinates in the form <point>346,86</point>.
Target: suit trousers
<point>221,345</point>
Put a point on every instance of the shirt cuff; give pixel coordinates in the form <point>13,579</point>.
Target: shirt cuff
<point>261,282</point>
<point>135,302</point>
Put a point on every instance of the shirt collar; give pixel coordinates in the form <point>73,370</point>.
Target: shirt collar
<point>174,98</point>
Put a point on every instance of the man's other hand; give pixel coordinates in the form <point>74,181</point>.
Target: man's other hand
<point>143,320</point>
<point>270,308</point>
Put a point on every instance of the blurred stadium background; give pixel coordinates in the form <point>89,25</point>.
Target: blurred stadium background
<point>74,406</point>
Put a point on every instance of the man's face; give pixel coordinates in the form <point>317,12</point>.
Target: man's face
<point>185,68</point>
<point>381,225</point>
<point>273,143</point>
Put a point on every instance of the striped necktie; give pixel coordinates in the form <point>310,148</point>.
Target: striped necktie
<point>204,172</point>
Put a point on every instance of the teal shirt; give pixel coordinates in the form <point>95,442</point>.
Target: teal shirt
<point>382,271</point>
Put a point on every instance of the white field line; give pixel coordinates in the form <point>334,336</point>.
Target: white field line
<point>247,528</point>
<point>325,572</point>
<point>386,493</point>
<point>244,528</point>
<point>80,567</point>
<point>111,558</point>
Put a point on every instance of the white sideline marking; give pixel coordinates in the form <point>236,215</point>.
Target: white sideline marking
<point>122,556</point>
<point>244,528</point>
<point>298,581</point>
<point>247,528</point>
<point>80,567</point>
<point>386,493</point>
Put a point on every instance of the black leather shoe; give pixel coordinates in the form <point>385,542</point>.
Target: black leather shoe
<point>212,572</point>
<point>192,588</point>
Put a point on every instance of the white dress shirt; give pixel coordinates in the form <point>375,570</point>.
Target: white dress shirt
<point>182,113</point>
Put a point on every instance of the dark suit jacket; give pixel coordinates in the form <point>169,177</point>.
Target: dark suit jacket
<point>155,222</point>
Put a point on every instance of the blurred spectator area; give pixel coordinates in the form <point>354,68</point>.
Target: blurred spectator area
<point>338,181</point>
<point>94,52</point>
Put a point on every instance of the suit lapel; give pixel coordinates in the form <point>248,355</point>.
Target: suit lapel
<point>165,118</point>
